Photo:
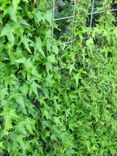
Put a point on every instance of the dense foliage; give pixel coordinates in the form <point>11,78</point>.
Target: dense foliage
<point>57,99</point>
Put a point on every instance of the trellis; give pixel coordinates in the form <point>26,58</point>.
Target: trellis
<point>91,14</point>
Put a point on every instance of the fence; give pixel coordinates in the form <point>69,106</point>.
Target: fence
<point>93,12</point>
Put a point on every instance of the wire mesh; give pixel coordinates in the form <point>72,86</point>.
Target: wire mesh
<point>62,18</point>
<point>93,12</point>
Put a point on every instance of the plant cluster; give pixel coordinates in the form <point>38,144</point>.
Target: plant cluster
<point>57,99</point>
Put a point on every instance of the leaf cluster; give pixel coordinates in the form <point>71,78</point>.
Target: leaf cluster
<point>57,99</point>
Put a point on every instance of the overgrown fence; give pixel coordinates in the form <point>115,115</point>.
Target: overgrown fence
<point>58,78</point>
<point>64,11</point>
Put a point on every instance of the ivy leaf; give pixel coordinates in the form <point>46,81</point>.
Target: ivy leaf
<point>34,88</point>
<point>20,101</point>
<point>8,31</point>
<point>1,146</point>
<point>15,4</point>
<point>48,66</point>
<point>38,46</point>
<point>48,16</point>
<point>39,16</point>
<point>9,115</point>
<point>51,58</point>
<point>26,42</point>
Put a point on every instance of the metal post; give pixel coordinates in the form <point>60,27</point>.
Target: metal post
<point>92,10</point>
<point>53,10</point>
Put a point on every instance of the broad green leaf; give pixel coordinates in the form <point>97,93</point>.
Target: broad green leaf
<point>8,31</point>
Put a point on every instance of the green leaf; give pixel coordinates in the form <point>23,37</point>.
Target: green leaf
<point>9,115</point>
<point>48,16</point>
<point>1,146</point>
<point>51,58</point>
<point>8,31</point>
<point>20,101</point>
<point>15,4</point>
<point>38,46</point>
<point>26,42</point>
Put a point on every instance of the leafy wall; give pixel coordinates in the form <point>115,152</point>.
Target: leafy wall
<point>57,99</point>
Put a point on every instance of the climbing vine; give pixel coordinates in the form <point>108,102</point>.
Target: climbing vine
<point>57,99</point>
